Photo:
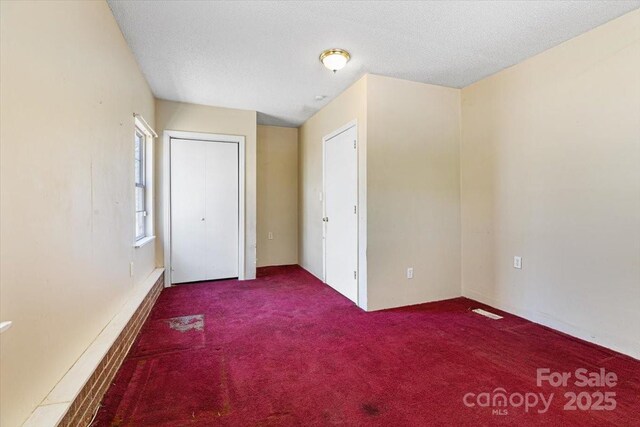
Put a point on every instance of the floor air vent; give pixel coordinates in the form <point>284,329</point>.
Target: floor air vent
<point>487,314</point>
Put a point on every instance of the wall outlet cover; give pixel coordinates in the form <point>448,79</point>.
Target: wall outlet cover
<point>517,262</point>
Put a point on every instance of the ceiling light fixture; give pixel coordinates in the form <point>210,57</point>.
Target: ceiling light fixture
<point>335,59</point>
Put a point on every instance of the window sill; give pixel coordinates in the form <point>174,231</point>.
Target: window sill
<point>142,242</point>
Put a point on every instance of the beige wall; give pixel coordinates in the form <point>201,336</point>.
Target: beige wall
<point>409,190</point>
<point>350,105</point>
<point>413,191</point>
<point>70,87</point>
<point>551,172</point>
<point>200,118</point>
<point>277,195</point>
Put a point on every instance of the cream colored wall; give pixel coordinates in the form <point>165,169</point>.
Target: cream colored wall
<point>413,188</point>
<point>551,172</point>
<point>277,195</point>
<point>200,118</point>
<point>70,87</point>
<point>409,191</point>
<point>349,106</point>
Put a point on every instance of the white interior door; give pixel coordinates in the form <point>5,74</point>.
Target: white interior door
<point>204,210</point>
<point>187,211</point>
<point>340,207</point>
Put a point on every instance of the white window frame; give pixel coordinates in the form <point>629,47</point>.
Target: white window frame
<point>140,182</point>
<point>143,128</point>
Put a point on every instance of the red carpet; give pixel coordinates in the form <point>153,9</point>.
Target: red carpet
<point>286,350</point>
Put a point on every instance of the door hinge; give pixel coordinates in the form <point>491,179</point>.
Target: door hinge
<point>355,209</point>
<point>355,275</point>
<point>354,144</point>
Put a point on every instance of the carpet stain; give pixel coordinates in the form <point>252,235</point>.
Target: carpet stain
<point>187,323</point>
<point>370,409</point>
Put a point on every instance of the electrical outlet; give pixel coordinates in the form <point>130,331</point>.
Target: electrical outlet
<point>270,236</point>
<point>410,273</point>
<point>517,262</point>
<point>131,269</point>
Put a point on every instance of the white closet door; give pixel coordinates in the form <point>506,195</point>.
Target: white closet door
<point>221,210</point>
<point>187,211</point>
<point>204,210</point>
<point>341,219</point>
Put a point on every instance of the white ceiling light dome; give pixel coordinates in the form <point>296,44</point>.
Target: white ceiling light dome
<point>335,59</point>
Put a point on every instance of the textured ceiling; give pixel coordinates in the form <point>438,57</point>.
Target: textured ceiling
<point>263,55</point>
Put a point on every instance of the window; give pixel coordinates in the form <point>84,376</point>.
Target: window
<point>141,189</point>
<point>143,196</point>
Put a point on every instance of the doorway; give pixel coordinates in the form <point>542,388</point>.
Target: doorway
<point>204,233</point>
<point>340,207</point>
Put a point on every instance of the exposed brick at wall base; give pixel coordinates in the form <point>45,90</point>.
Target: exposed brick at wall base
<point>86,403</point>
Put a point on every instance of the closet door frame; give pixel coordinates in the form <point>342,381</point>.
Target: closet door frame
<point>166,192</point>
